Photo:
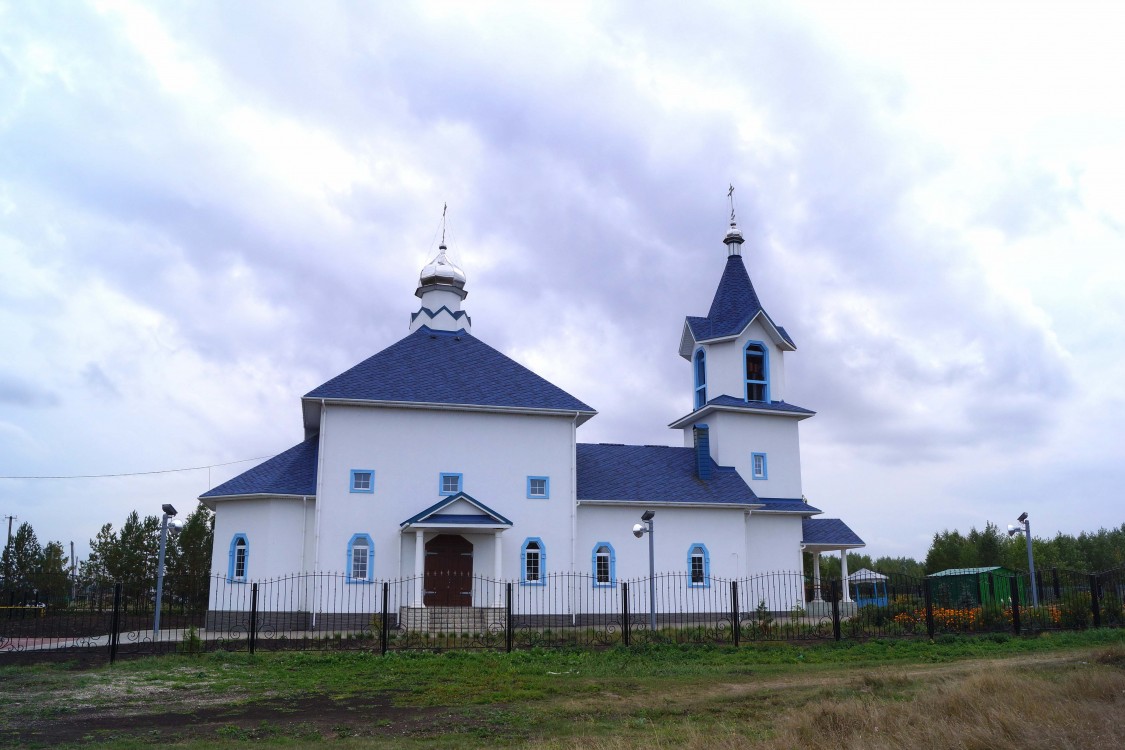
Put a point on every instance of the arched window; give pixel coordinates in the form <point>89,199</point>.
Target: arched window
<point>700,379</point>
<point>533,558</point>
<point>699,566</point>
<point>604,563</point>
<point>361,559</point>
<point>757,372</point>
<point>239,558</point>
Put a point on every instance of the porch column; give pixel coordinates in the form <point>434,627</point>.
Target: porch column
<point>419,566</point>
<point>844,574</point>
<point>497,571</point>
<point>816,576</point>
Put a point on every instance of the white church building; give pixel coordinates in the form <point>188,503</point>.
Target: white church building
<point>440,458</point>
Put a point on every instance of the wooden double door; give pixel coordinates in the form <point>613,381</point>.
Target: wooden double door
<point>448,580</point>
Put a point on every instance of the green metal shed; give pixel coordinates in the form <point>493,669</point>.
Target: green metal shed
<point>971,587</point>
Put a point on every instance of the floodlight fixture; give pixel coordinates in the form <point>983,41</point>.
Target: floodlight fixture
<point>1023,517</point>
<point>1013,530</point>
<point>168,509</point>
<point>639,530</point>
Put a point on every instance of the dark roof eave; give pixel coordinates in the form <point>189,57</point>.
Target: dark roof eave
<point>672,503</point>
<point>582,414</point>
<point>709,408</point>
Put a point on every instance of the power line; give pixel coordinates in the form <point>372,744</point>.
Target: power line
<point>141,473</point>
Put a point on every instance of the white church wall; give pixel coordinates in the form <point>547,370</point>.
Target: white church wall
<point>408,449</point>
<point>735,437</point>
<point>721,530</point>
<point>273,528</point>
<point>773,546</point>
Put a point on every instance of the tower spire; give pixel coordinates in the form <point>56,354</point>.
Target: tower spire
<point>733,239</point>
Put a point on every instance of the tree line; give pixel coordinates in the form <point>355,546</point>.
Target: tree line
<point>127,554</point>
<point>1090,552</point>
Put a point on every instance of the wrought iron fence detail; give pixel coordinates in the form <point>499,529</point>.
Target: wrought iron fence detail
<point>328,611</point>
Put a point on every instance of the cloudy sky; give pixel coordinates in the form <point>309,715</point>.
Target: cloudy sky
<point>209,208</point>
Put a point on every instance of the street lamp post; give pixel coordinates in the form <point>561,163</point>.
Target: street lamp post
<point>639,531</point>
<point>169,512</point>
<point>1026,531</point>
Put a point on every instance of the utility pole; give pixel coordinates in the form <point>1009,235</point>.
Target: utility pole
<point>8,551</point>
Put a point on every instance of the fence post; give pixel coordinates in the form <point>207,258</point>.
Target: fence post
<point>1055,583</point>
<point>253,616</point>
<point>115,627</point>
<point>625,612</point>
<point>1014,582</point>
<point>1095,600</point>
<point>508,616</point>
<point>834,595</point>
<point>734,612</point>
<point>385,625</point>
<point>929,598</point>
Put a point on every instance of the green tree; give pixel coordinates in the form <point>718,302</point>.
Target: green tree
<point>104,556</point>
<point>22,558</point>
<point>948,550</point>
<point>137,543</point>
<point>189,554</point>
<point>51,575</point>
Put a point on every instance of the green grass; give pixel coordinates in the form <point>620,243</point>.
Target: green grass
<point>661,694</point>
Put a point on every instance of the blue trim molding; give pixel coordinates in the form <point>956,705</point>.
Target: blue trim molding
<point>442,487</point>
<point>754,473</point>
<point>356,540</point>
<point>362,480</point>
<point>238,537</point>
<point>612,565</point>
<point>764,382</point>
<point>696,549</point>
<point>699,366</point>
<point>540,580</point>
<point>546,487</point>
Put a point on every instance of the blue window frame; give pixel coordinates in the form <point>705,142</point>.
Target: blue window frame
<point>603,562</point>
<point>361,559</point>
<point>699,566</point>
<point>758,467</point>
<point>449,483</point>
<point>757,371</point>
<point>238,562</point>
<point>363,480</point>
<point>700,379</point>
<point>538,487</point>
<point>533,562</point>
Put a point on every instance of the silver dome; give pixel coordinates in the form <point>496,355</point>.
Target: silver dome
<point>441,270</point>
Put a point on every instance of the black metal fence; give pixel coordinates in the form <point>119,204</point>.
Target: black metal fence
<point>328,611</point>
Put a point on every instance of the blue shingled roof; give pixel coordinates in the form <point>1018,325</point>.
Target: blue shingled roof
<point>786,505</point>
<point>444,367</point>
<point>734,306</point>
<point>828,531</point>
<point>654,474</point>
<point>292,472</point>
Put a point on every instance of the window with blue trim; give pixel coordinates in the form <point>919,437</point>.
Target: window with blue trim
<point>758,467</point>
<point>538,487</point>
<point>604,562</point>
<point>361,559</point>
<point>449,484</point>
<point>238,562</point>
<point>757,372</point>
<point>533,561</point>
<point>700,379</point>
<point>699,566</point>
<point>363,480</point>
